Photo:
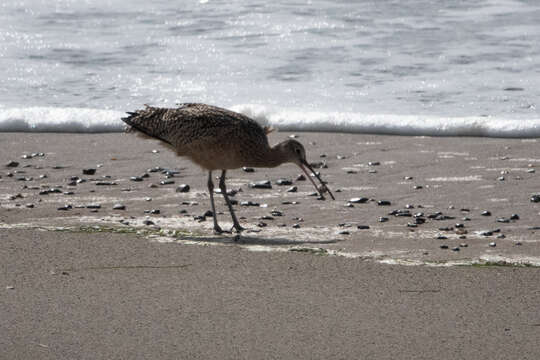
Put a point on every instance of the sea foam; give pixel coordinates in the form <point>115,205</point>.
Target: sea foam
<point>85,120</point>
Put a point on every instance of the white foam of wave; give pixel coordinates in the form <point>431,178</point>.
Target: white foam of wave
<point>66,120</point>
<point>86,120</point>
<point>293,120</point>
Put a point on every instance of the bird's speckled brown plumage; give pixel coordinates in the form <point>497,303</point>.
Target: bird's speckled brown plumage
<point>218,139</point>
<point>212,137</point>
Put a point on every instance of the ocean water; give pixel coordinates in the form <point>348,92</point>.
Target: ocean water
<point>415,67</point>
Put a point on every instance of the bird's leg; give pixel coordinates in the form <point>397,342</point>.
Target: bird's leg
<point>217,229</point>
<point>223,188</point>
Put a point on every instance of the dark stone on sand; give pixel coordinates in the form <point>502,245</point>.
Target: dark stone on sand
<point>419,220</point>
<point>182,188</point>
<point>89,171</point>
<point>535,198</point>
<point>344,232</point>
<point>276,213</point>
<point>362,227</point>
<point>513,88</point>
<point>119,207</point>
<point>105,183</point>
<point>292,189</point>
<point>283,181</point>
<point>384,203</point>
<point>374,163</point>
<point>68,193</point>
<point>501,236</point>
<point>208,213</point>
<point>486,233</point>
<point>447,228</point>
<point>455,248</point>
<point>401,213</point>
<point>503,220</point>
<point>155,169</point>
<point>301,177</point>
<point>65,207</point>
<point>383,219</point>
<point>412,225</point>
<point>30,206</point>
<point>263,184</point>
<point>442,237</point>
<point>296,226</point>
<point>248,203</point>
<point>166,182</point>
<point>372,171</point>
<point>514,217</point>
<point>444,246</point>
<point>348,204</point>
<point>93,206</point>
<point>12,164</point>
<point>459,225</point>
<point>266,217</point>
<point>463,245</point>
<point>248,169</point>
<point>136,178</point>
<point>492,244</point>
<point>350,171</point>
<point>148,222</point>
<point>262,224</point>
<point>486,213</point>
<point>359,200</point>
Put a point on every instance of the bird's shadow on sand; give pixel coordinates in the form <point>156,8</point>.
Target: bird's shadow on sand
<point>254,240</point>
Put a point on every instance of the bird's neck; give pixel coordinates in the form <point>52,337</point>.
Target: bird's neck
<point>271,158</point>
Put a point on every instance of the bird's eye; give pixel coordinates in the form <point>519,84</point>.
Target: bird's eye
<point>298,151</point>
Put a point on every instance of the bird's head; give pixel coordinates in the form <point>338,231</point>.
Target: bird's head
<point>294,152</point>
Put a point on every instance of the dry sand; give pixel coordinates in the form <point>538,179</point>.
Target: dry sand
<point>98,283</point>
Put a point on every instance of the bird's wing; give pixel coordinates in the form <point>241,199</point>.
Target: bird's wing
<point>193,124</point>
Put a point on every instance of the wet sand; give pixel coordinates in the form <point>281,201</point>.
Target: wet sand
<point>131,288</point>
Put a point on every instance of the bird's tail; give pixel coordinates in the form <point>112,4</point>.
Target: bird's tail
<point>146,123</point>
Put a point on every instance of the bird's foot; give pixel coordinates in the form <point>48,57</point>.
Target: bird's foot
<point>238,228</point>
<point>218,230</point>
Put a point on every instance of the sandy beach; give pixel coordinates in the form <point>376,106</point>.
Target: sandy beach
<point>431,248</point>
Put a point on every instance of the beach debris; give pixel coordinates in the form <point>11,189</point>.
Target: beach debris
<point>89,171</point>
<point>105,183</point>
<point>119,207</point>
<point>283,181</point>
<point>12,164</point>
<point>358,200</point>
<point>263,184</point>
<point>182,188</point>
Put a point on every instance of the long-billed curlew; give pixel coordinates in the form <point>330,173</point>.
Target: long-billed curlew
<point>219,139</point>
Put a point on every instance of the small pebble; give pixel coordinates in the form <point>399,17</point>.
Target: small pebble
<point>166,182</point>
<point>263,184</point>
<point>148,222</point>
<point>362,227</point>
<point>514,217</point>
<point>486,213</point>
<point>344,232</point>
<point>296,226</point>
<point>89,171</point>
<point>93,206</point>
<point>182,188</point>
<point>292,189</point>
<point>464,245</point>
<point>492,244</point>
<point>444,246</point>
<point>455,248</point>
<point>300,177</point>
<point>65,207</point>
<point>359,200</point>
<point>374,163</point>
<point>535,198</point>
<point>119,207</point>
<point>283,182</point>
<point>384,203</point>
<point>383,219</point>
<point>136,178</point>
<point>248,169</point>
<point>418,187</point>
<point>12,164</point>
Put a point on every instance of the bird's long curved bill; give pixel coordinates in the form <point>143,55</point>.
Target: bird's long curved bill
<point>320,189</point>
